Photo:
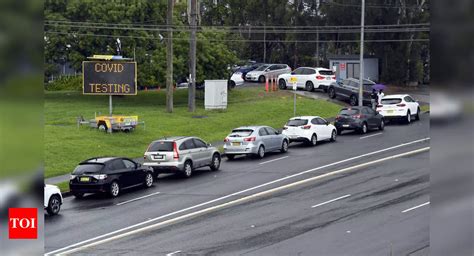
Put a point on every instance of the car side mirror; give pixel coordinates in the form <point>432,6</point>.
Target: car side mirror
<point>138,165</point>
<point>208,145</point>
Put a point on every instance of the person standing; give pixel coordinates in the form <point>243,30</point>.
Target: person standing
<point>380,96</point>
<point>374,99</point>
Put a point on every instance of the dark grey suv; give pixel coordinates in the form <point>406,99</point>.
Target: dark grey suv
<point>348,89</point>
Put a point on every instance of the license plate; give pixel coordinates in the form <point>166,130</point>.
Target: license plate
<point>235,143</point>
<point>159,157</point>
<point>345,125</point>
<point>328,78</point>
<point>390,111</point>
<point>85,179</point>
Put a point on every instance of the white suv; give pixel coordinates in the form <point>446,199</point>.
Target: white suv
<point>308,79</point>
<point>309,129</point>
<point>52,199</point>
<point>399,106</point>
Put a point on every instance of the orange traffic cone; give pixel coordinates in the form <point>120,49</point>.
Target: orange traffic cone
<point>266,84</point>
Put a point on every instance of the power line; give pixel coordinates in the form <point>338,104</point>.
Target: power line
<point>387,6</point>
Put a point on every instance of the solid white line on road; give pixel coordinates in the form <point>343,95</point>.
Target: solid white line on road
<point>273,160</point>
<point>368,136</point>
<point>71,248</point>
<point>138,198</point>
<point>415,207</point>
<point>332,200</point>
<point>172,253</point>
<point>235,194</point>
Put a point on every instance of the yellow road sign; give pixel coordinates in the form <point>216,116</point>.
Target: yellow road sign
<point>293,79</point>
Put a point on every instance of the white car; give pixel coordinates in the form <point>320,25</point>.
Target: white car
<point>309,129</point>
<point>52,199</point>
<point>308,78</point>
<point>399,106</point>
<point>270,71</point>
<point>237,79</point>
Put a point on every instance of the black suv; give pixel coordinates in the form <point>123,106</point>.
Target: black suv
<point>348,89</point>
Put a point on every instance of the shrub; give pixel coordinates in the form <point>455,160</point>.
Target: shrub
<point>65,83</point>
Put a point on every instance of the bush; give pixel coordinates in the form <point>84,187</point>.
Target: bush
<point>65,83</point>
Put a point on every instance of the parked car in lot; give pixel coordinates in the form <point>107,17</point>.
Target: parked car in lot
<point>309,129</point>
<point>181,155</point>
<point>400,106</point>
<point>254,140</point>
<point>308,78</point>
<point>348,89</point>
<point>247,68</point>
<point>109,175</point>
<point>53,199</point>
<point>360,119</point>
<point>267,71</point>
<point>237,79</point>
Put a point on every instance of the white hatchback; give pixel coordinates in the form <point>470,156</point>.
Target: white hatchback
<point>399,106</point>
<point>52,199</point>
<point>309,129</point>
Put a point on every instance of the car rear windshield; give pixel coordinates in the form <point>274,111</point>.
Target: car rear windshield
<point>88,168</point>
<point>297,122</point>
<point>349,112</point>
<point>241,133</point>
<point>326,72</point>
<point>164,146</point>
<point>391,101</point>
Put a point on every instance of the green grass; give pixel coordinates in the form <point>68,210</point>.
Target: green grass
<point>63,186</point>
<point>425,108</point>
<point>66,144</point>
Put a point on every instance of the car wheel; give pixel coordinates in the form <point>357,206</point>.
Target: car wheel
<point>114,190</point>
<point>78,195</point>
<point>332,93</point>
<point>309,86</point>
<point>333,135</point>
<point>382,125</point>
<point>188,169</point>
<point>54,205</point>
<point>364,129</point>
<point>148,180</point>
<point>314,140</point>
<point>230,157</point>
<point>417,116</point>
<point>261,151</point>
<point>353,100</point>
<point>102,127</point>
<point>408,117</point>
<point>282,84</point>
<point>261,79</point>
<point>216,162</point>
<point>231,85</point>
<point>284,146</point>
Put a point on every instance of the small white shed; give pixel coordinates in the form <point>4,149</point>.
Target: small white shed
<point>215,94</point>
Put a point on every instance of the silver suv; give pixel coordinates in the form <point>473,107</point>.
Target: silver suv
<point>254,140</point>
<point>181,155</point>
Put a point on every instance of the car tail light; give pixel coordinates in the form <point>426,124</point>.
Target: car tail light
<point>401,105</point>
<point>175,151</point>
<point>334,77</point>
<point>100,176</point>
<point>250,139</point>
<point>144,157</point>
<point>320,77</point>
<point>306,127</point>
<point>285,128</point>
<point>357,116</point>
<point>226,140</point>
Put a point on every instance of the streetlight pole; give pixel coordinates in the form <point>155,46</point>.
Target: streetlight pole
<point>361,60</point>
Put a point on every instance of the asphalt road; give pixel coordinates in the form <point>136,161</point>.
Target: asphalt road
<point>264,207</point>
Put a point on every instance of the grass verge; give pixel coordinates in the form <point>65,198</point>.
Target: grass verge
<point>66,144</point>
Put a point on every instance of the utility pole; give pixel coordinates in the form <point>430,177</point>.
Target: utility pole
<point>169,58</point>
<point>361,60</point>
<point>317,48</point>
<point>192,57</point>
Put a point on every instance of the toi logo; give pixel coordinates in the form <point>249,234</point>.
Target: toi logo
<point>23,223</point>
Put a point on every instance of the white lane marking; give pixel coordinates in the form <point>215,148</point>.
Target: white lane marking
<point>368,136</point>
<point>273,160</point>
<point>236,193</point>
<point>332,200</point>
<point>138,198</point>
<point>415,207</point>
<point>230,203</point>
<point>172,253</point>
